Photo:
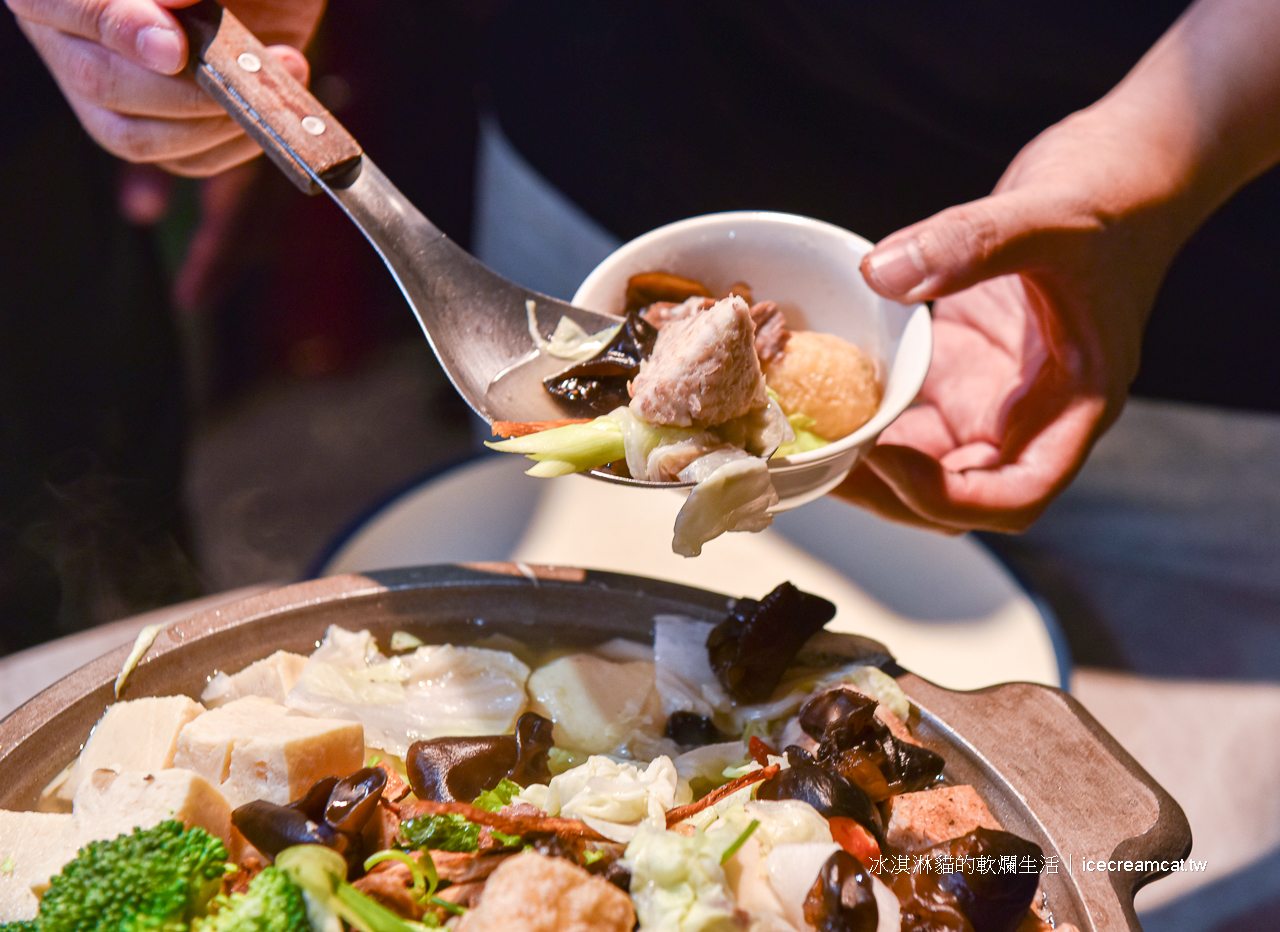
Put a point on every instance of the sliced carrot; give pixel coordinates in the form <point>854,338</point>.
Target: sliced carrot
<point>524,428</point>
<point>680,813</point>
<point>853,838</point>
<point>759,751</point>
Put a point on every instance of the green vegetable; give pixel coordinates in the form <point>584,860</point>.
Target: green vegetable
<point>440,833</point>
<point>403,640</point>
<point>455,832</point>
<point>425,879</point>
<point>321,873</point>
<point>501,795</point>
<point>677,883</point>
<point>806,439</point>
<point>739,841</point>
<point>572,448</point>
<point>272,903</point>
<point>155,879</point>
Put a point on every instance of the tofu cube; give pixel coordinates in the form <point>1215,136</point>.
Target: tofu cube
<point>252,748</point>
<point>137,735</point>
<point>110,804</point>
<point>271,678</point>
<point>17,902</point>
<point>32,849</point>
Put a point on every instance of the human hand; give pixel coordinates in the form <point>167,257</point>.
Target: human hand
<point>1042,292</point>
<point>1043,289</point>
<point>118,63</point>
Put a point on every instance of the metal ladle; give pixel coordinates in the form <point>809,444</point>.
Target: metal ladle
<point>476,321</point>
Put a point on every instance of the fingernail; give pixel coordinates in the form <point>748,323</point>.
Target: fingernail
<point>896,268</point>
<point>160,49</point>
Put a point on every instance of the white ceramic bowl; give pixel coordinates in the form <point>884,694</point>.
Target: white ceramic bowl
<point>811,269</point>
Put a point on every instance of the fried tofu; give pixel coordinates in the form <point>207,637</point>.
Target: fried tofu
<point>921,820</point>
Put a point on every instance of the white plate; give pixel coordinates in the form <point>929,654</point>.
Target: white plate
<point>943,605</point>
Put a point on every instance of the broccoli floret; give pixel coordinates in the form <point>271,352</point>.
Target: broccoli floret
<point>22,925</point>
<point>272,903</point>
<point>156,879</point>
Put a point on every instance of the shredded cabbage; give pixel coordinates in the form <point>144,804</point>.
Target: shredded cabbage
<point>711,765</point>
<point>435,691</point>
<point>736,496</point>
<point>677,882</point>
<point>803,439</point>
<point>146,637</point>
<point>569,340</point>
<point>613,797</point>
<point>760,431</point>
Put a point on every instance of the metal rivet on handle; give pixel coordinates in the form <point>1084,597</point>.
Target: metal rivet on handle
<point>249,62</point>
<point>313,125</point>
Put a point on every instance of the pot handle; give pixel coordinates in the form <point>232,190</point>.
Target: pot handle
<point>1086,792</point>
<point>297,133</point>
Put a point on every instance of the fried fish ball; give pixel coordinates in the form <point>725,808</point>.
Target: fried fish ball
<point>827,378</point>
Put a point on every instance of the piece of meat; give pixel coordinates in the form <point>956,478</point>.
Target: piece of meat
<point>463,894</point>
<point>383,827</point>
<point>771,330</point>
<point>391,884</point>
<point>895,725</point>
<point>511,820</point>
<point>771,326</point>
<point>703,370</point>
<point>466,866</point>
<point>921,820</point>
<point>661,313</point>
<point>397,787</point>
<point>535,893</point>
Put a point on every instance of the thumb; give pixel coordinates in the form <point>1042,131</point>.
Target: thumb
<point>961,246</point>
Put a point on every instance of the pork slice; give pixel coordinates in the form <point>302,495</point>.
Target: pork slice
<point>703,369</point>
<point>771,330</point>
<point>466,866</point>
<point>921,820</point>
<point>535,893</point>
<point>463,894</point>
<point>661,313</point>
<point>391,884</point>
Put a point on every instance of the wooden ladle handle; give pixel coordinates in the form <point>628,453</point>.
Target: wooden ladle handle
<point>233,67</point>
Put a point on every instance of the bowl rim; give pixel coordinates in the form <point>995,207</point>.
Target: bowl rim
<point>917,330</point>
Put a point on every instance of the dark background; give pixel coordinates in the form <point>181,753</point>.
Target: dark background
<point>862,115</point>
